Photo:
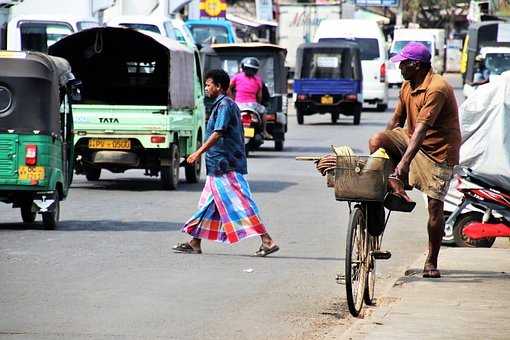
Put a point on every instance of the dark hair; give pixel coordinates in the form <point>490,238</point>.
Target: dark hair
<point>219,77</point>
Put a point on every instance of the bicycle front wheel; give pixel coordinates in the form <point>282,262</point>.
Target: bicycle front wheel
<point>356,260</point>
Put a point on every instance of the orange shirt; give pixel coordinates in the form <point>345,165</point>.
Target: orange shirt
<point>432,103</point>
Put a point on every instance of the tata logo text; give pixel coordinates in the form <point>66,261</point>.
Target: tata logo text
<point>108,120</point>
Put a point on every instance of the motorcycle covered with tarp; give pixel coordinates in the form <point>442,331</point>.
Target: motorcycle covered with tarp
<point>328,80</point>
<point>36,133</point>
<point>273,120</point>
<point>485,151</point>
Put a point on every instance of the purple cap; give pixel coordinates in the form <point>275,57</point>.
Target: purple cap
<point>412,51</point>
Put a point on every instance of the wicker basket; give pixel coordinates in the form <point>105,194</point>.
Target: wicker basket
<point>361,178</point>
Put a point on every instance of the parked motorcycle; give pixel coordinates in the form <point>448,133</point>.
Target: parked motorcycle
<point>491,219</point>
<point>252,115</point>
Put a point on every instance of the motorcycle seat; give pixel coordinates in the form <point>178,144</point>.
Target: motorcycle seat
<point>487,183</point>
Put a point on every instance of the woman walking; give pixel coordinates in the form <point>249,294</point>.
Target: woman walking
<point>226,212</point>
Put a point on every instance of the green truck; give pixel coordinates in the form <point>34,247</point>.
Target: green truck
<point>142,103</point>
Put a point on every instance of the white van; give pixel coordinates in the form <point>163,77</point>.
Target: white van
<point>374,58</point>
<point>432,38</point>
<point>38,32</point>
<point>172,28</point>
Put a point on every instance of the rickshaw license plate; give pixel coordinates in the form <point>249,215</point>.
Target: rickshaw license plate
<point>327,100</point>
<point>31,172</point>
<point>249,132</point>
<point>115,144</point>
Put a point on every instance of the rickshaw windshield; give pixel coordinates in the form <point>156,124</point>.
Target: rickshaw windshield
<point>207,35</point>
<point>327,64</point>
<point>497,63</point>
<point>232,65</point>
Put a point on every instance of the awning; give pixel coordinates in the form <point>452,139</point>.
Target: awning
<point>251,22</point>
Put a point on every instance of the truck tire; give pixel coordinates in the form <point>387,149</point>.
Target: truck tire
<point>461,240</point>
<point>92,174</point>
<point>299,116</point>
<point>51,218</point>
<point>27,215</point>
<point>170,173</point>
<point>192,172</point>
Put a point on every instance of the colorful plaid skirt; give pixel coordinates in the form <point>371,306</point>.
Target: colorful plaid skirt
<point>226,212</point>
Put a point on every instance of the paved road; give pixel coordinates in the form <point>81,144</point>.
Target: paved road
<point>108,272</point>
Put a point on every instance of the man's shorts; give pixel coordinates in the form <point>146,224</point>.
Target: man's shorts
<point>425,174</point>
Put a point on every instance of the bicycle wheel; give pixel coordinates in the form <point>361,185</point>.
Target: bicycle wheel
<point>355,260</point>
<point>374,243</point>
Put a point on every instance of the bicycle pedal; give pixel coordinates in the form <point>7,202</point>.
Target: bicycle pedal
<point>340,279</point>
<point>381,254</point>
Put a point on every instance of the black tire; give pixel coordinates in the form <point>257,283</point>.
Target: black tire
<point>334,117</point>
<point>278,144</point>
<point>300,117</point>
<point>369,294</point>
<point>357,118</point>
<point>192,172</point>
<point>27,215</point>
<point>51,218</point>
<point>381,107</point>
<point>170,173</point>
<point>355,261</point>
<point>461,240</point>
<point>92,174</point>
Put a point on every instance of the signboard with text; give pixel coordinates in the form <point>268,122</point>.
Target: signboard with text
<point>213,8</point>
<point>377,3</point>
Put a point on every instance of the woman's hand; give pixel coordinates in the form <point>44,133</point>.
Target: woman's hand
<point>193,158</point>
<point>325,164</point>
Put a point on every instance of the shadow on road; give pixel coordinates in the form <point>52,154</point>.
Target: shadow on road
<point>103,225</point>
<point>278,257</point>
<point>448,276</point>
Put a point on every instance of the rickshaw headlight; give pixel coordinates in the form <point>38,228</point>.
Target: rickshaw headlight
<point>5,99</point>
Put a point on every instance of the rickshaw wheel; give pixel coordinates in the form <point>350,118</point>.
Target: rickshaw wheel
<point>334,118</point>
<point>357,118</point>
<point>92,174</point>
<point>51,218</point>
<point>27,214</point>
<point>300,118</point>
<point>170,173</point>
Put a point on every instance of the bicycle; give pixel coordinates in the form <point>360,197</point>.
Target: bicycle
<point>362,251</point>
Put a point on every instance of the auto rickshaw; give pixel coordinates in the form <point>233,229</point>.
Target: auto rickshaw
<point>273,73</point>
<point>36,133</point>
<point>328,80</point>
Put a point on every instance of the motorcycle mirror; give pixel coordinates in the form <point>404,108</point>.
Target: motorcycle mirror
<point>461,171</point>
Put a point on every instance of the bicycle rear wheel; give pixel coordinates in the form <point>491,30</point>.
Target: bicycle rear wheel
<point>356,260</point>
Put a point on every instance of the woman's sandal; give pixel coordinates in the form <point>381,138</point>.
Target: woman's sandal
<point>265,250</point>
<point>186,248</point>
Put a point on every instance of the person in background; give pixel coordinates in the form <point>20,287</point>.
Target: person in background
<point>226,212</point>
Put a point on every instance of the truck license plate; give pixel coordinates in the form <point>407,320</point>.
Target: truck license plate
<point>326,100</point>
<point>115,144</point>
<point>249,132</point>
<point>31,172</point>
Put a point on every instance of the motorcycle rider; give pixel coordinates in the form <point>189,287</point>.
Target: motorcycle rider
<point>247,89</point>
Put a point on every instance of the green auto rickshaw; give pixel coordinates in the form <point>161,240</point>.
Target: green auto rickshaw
<point>36,133</point>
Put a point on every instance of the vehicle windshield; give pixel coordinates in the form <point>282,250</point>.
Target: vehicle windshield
<point>369,47</point>
<point>83,25</point>
<point>497,63</point>
<point>171,32</point>
<point>207,35</point>
<point>145,27</point>
<point>232,65</point>
<point>400,44</point>
<point>38,36</point>
<point>326,65</point>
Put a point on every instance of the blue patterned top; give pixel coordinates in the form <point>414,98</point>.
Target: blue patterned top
<point>228,153</point>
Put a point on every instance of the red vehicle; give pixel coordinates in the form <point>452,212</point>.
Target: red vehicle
<point>479,228</point>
